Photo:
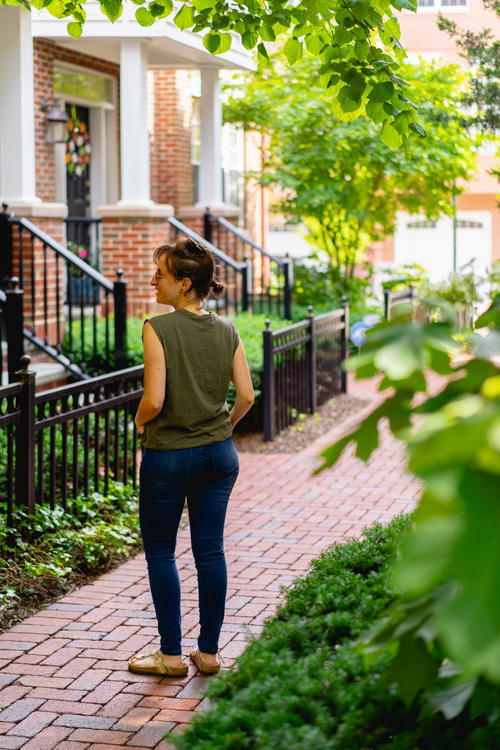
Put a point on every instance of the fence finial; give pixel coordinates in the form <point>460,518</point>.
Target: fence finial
<point>119,273</point>
<point>310,309</point>
<point>268,323</point>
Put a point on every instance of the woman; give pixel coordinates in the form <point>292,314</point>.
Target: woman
<point>190,355</point>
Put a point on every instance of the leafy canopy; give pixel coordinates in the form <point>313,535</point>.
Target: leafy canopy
<point>342,175</point>
<point>356,42</point>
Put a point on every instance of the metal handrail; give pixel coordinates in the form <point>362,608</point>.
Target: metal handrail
<point>198,238</point>
<point>74,260</point>
<point>242,236</point>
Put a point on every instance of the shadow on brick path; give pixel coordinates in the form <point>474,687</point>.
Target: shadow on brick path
<point>64,682</point>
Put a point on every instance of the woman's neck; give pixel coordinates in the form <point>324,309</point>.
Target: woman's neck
<point>196,307</point>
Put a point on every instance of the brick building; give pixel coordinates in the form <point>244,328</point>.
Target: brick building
<point>478,216</point>
<point>144,136</point>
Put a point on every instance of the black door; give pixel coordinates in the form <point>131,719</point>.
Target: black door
<point>78,166</point>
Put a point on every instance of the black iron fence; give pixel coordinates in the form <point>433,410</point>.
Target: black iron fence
<point>57,286</point>
<point>58,443</point>
<point>271,278</point>
<point>303,367</point>
<point>83,238</point>
<point>393,299</point>
<point>235,275</point>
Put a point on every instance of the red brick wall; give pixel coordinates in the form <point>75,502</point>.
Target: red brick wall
<point>256,219</point>
<point>170,103</point>
<point>129,244</point>
<point>45,53</point>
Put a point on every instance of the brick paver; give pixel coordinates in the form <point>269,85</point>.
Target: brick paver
<point>63,679</point>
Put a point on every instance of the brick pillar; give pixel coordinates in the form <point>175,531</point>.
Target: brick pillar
<point>129,236</point>
<point>37,265</point>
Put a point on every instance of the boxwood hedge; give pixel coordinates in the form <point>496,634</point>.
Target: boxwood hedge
<point>299,685</point>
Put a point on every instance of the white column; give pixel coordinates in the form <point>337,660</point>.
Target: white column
<point>17,128</point>
<point>210,193</point>
<point>134,138</point>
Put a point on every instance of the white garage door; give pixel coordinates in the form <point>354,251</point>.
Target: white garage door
<point>431,243</point>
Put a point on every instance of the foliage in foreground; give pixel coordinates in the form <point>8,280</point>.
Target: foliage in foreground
<point>54,547</point>
<point>300,684</point>
<point>443,630</point>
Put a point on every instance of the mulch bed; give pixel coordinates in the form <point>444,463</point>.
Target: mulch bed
<point>307,428</point>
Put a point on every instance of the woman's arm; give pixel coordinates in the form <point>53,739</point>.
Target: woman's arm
<point>151,403</point>
<point>243,385</point>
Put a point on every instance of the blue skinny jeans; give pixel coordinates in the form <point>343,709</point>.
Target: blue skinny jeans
<point>205,475</point>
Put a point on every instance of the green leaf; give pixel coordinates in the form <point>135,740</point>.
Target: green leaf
<point>249,39</point>
<point>381,92</point>
<point>417,128</point>
<point>267,33</point>
<point>112,9</point>
<point>161,8</point>
<point>184,19</point>
<point>144,17</point>
<point>451,702</point>
<point>262,50</point>
<point>313,43</point>
<point>413,668</point>
<point>211,42</point>
<point>293,50</point>
<point>390,136</point>
<point>74,30</point>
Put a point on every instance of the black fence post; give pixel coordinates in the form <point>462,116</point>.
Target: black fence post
<point>268,385</point>
<point>311,363</point>
<point>120,297</point>
<point>246,283</point>
<point>14,327</point>
<point>344,338</point>
<point>5,246</point>
<point>25,438</point>
<point>386,303</point>
<point>207,225</point>
<point>287,291</point>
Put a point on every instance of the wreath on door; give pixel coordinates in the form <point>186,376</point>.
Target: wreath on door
<point>78,148</point>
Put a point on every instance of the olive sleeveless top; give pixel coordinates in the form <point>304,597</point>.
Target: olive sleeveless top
<point>199,352</point>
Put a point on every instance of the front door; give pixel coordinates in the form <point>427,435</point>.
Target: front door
<point>78,157</point>
<point>78,232</point>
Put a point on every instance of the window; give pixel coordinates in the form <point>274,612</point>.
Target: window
<point>421,225</point>
<point>83,84</point>
<point>463,224</point>
<point>433,6</point>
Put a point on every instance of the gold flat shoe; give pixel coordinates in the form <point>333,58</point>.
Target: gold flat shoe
<point>203,667</point>
<point>154,664</point>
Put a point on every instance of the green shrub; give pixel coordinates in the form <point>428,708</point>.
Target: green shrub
<point>39,552</point>
<point>299,685</point>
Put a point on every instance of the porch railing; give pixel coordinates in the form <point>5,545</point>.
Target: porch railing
<point>83,238</point>
<point>303,367</point>
<point>58,443</point>
<point>235,275</point>
<point>272,280</point>
<point>57,287</point>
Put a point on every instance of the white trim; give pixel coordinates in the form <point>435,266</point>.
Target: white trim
<point>103,118</point>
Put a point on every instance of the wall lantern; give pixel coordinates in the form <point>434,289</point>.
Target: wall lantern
<point>56,122</point>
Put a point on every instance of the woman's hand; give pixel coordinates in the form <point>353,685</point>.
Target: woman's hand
<point>139,428</point>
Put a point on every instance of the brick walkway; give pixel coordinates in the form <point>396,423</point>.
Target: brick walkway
<point>63,680</point>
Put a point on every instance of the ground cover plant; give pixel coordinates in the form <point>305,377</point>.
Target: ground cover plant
<point>54,550</point>
<point>301,684</point>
